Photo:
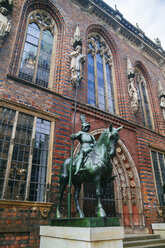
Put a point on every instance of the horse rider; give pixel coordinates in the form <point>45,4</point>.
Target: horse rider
<point>86,140</point>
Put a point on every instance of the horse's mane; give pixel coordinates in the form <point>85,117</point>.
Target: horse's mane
<point>102,136</point>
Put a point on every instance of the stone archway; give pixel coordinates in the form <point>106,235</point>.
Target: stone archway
<point>128,197</point>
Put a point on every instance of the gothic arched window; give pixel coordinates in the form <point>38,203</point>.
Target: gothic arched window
<point>35,64</point>
<point>144,99</point>
<point>100,83</point>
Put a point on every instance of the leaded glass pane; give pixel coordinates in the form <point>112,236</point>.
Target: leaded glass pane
<point>39,163</point>
<point>44,61</point>
<point>141,103</point>
<point>101,59</point>
<point>146,106</point>
<point>110,89</point>
<point>6,127</point>
<point>36,58</point>
<point>162,166</point>
<point>29,54</point>
<point>100,78</point>
<point>91,80</point>
<point>157,176</point>
<point>20,157</point>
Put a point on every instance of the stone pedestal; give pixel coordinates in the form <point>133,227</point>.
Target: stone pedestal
<point>159,228</point>
<point>81,237</point>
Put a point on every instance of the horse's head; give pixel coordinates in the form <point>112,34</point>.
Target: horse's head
<point>107,141</point>
<point>113,136</point>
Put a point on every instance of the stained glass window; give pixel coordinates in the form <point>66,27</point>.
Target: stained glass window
<point>91,81</point>
<point>144,100</point>
<point>37,54</point>
<point>100,83</point>
<point>158,160</point>
<point>24,150</point>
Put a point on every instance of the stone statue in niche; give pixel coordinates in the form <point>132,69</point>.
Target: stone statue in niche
<point>162,98</point>
<point>77,58</point>
<point>132,90</point>
<point>5,23</point>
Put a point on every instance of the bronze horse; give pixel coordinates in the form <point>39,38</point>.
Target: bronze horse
<point>97,169</point>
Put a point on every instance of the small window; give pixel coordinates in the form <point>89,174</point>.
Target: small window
<point>24,150</point>
<point>35,65</point>
<point>158,161</point>
<point>144,99</point>
<point>100,83</point>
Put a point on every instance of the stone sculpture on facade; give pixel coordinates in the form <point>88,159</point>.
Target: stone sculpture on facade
<point>162,98</point>
<point>158,44</point>
<point>5,23</point>
<point>97,167</point>
<point>77,58</point>
<point>132,90</point>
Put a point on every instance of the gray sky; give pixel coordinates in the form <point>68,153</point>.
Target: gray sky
<point>149,14</point>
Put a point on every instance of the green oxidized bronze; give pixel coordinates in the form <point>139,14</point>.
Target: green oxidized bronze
<point>91,164</point>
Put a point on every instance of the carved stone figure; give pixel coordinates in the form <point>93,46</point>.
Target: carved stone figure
<point>77,58</point>
<point>162,98</point>
<point>132,90</point>
<point>5,23</point>
<point>97,169</point>
<point>158,44</point>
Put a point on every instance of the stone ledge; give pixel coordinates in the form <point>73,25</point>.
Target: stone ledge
<point>87,234</point>
<point>159,229</point>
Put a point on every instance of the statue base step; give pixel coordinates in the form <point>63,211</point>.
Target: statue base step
<point>60,236</point>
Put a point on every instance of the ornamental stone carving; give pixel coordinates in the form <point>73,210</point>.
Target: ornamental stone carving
<point>162,98</point>
<point>5,23</point>
<point>77,58</point>
<point>132,90</point>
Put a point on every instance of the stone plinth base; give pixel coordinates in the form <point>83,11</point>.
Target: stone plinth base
<point>159,228</point>
<point>81,237</point>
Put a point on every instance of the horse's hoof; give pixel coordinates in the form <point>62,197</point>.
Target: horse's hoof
<point>58,214</point>
<point>101,213</point>
<point>81,215</point>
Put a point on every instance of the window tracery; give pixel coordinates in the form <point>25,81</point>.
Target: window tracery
<point>144,99</point>
<point>35,65</point>
<point>100,85</point>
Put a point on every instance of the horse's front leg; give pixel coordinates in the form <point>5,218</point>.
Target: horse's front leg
<point>63,183</point>
<point>100,210</point>
<point>76,198</point>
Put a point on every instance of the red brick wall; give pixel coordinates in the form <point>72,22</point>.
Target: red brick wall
<point>135,137</point>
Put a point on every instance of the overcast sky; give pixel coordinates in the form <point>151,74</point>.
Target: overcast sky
<point>149,14</point>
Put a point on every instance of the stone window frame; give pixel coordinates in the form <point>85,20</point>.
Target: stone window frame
<point>53,29</point>
<point>160,172</point>
<point>108,60</point>
<point>140,80</point>
<point>35,114</point>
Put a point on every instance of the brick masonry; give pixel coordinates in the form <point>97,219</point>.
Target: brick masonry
<point>60,101</point>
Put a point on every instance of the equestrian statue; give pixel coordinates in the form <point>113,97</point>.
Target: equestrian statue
<point>92,164</point>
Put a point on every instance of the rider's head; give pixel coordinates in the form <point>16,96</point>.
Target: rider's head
<point>85,126</point>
